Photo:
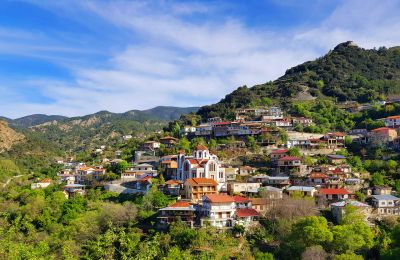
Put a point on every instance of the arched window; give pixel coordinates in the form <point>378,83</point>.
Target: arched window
<point>186,167</point>
<point>211,167</point>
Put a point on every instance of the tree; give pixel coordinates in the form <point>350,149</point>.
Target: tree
<point>377,179</point>
<point>263,256</point>
<point>309,231</point>
<point>294,151</point>
<point>352,237</point>
<point>314,253</point>
<point>121,166</point>
<point>161,179</point>
<point>184,144</point>
<point>348,256</point>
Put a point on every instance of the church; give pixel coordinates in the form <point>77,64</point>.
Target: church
<point>201,164</point>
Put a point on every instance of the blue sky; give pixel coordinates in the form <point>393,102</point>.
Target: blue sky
<point>76,57</point>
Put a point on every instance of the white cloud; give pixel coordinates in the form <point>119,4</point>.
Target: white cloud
<point>171,60</point>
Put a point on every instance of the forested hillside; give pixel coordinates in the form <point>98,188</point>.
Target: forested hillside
<point>348,72</point>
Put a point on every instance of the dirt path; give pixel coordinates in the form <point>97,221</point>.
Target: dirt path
<point>9,180</point>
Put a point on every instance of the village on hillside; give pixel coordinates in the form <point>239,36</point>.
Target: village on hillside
<point>265,163</point>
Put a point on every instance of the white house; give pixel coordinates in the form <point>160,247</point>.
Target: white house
<point>303,190</point>
<point>219,210</point>
<point>386,204</point>
<point>392,121</point>
<point>41,185</point>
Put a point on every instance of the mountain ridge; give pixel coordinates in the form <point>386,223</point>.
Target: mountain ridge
<point>345,73</point>
<point>155,113</point>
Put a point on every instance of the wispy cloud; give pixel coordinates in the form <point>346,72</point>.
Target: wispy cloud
<point>184,54</point>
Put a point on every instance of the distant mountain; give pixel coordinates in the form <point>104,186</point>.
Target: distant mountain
<point>103,127</point>
<point>8,137</point>
<point>36,119</point>
<point>166,113</point>
<point>348,72</point>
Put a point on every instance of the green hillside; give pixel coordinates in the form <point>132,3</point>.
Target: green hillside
<point>348,72</point>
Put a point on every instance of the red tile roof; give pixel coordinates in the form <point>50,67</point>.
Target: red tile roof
<point>240,199</point>
<point>393,117</point>
<point>201,181</point>
<point>382,129</point>
<point>201,147</point>
<point>279,151</point>
<point>318,176</point>
<point>246,212</point>
<point>219,198</point>
<point>173,182</point>
<point>180,204</point>
<point>289,158</point>
<point>340,191</point>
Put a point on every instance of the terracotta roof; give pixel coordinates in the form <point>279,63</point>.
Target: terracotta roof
<point>246,212</point>
<point>201,147</point>
<point>240,199</point>
<point>279,151</point>
<point>393,117</point>
<point>180,204</point>
<point>169,138</point>
<point>317,175</point>
<point>290,158</point>
<point>382,129</point>
<point>171,182</point>
<point>219,198</point>
<point>201,181</point>
<point>46,181</point>
<point>258,201</point>
<point>340,191</point>
<point>337,134</point>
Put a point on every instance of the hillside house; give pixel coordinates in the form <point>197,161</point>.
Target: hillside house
<point>338,208</point>
<point>277,181</point>
<point>334,140</point>
<point>179,211</point>
<point>261,205</point>
<point>392,121</point>
<point>332,195</point>
<point>173,187</point>
<point>219,210</point>
<point>231,173</point>
<point>382,135</point>
<point>41,184</point>
<point>72,190</point>
<point>169,168</point>
<point>277,154</point>
<point>302,190</point>
<point>169,141</point>
<point>381,190</point>
<point>243,187</point>
<point>336,158</point>
<point>317,178</point>
<point>151,146</point>
<point>270,192</point>
<point>246,170</point>
<point>196,188</point>
<point>291,165</point>
<point>246,216</point>
<point>386,204</point>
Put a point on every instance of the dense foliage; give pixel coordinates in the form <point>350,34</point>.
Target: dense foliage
<point>345,73</point>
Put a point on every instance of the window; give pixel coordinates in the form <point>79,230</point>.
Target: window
<point>186,166</point>
<point>211,167</point>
